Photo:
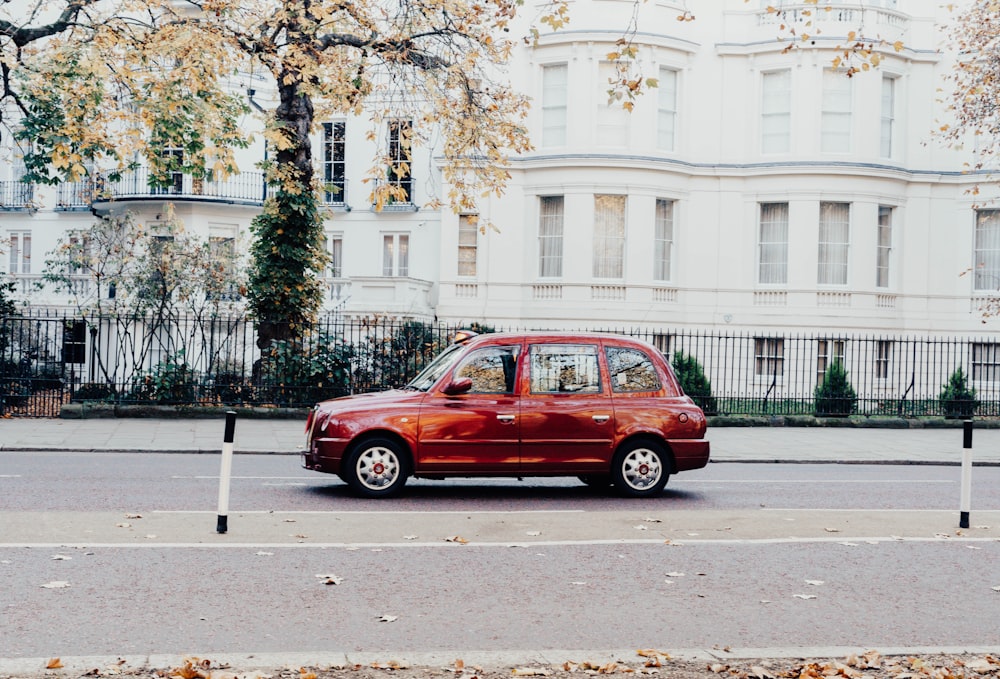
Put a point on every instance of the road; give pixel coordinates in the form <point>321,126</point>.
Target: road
<point>117,554</point>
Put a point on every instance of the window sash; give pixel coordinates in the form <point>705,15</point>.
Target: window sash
<point>834,242</point>
<point>985,362</point>
<point>666,122</point>
<point>612,119</point>
<point>335,249</point>
<point>884,247</point>
<point>836,112</point>
<point>776,111</point>
<point>20,252</point>
<point>987,254</point>
<point>663,240</point>
<point>769,357</point>
<point>772,257</point>
<point>609,236</point>
<point>554,104</point>
<point>400,162</point>
<point>550,237</point>
<point>468,236</point>
<point>334,161</point>
<point>888,116</point>
<point>396,255</point>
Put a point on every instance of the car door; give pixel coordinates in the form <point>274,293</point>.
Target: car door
<point>567,420</point>
<point>477,431</point>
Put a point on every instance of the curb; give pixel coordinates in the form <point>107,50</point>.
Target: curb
<point>496,660</point>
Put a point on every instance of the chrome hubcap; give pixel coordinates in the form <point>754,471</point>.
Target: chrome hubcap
<point>378,468</point>
<point>641,468</point>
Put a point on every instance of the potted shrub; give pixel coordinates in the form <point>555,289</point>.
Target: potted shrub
<point>834,396</point>
<point>694,382</point>
<point>957,399</point>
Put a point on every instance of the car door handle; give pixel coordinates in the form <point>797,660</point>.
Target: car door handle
<point>505,419</point>
<point>601,419</point>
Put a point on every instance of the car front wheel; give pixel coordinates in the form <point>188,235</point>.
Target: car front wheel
<point>640,469</point>
<point>377,468</point>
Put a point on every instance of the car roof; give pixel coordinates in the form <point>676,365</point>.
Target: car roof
<point>553,336</point>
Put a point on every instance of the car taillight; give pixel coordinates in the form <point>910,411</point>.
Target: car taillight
<point>309,420</point>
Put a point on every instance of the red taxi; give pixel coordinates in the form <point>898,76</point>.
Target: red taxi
<point>605,408</point>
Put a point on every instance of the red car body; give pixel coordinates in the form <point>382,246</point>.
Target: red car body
<point>605,408</point>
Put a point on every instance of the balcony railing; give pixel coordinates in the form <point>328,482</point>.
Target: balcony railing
<point>245,187</point>
<point>16,195</point>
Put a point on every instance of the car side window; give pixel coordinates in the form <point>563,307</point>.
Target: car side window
<point>565,368</point>
<point>491,369</point>
<point>631,370</point>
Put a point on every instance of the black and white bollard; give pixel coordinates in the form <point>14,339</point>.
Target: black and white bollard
<point>226,472</point>
<point>966,502</point>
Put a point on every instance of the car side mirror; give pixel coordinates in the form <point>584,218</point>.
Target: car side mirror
<point>457,386</point>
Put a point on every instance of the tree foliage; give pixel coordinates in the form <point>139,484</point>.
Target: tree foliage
<point>834,395</point>
<point>957,399</point>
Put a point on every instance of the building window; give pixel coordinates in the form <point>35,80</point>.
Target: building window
<point>468,238</point>
<point>20,252</point>
<point>834,240</point>
<point>666,112</point>
<point>222,251</point>
<point>612,119</point>
<point>828,352</point>
<point>335,251</point>
<point>554,104</point>
<point>167,177</point>
<point>776,112</point>
<point>398,172</point>
<point>888,116</point>
<point>883,354</point>
<point>884,246</point>
<point>769,356</point>
<point>395,254</point>
<point>772,248</point>
<point>334,163</point>
<point>987,255</point>
<point>609,236</point>
<point>663,240</point>
<point>836,118</point>
<point>550,237</point>
<point>985,362</point>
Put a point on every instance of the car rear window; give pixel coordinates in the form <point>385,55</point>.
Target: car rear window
<point>631,370</point>
<point>560,368</point>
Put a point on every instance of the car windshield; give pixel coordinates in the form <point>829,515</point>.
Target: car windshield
<point>439,366</point>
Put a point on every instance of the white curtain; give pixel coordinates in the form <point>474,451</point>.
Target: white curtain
<point>834,240</point>
<point>664,240</point>
<point>772,264</point>
<point>609,236</point>
<point>988,250</point>
<point>550,237</point>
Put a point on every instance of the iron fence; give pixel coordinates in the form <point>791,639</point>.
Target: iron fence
<point>47,360</point>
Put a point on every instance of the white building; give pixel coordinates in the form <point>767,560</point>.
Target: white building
<point>752,189</point>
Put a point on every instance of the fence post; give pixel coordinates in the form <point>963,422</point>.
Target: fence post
<point>222,525</point>
<point>963,521</point>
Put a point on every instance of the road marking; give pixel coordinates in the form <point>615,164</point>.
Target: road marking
<point>811,481</point>
<point>408,512</point>
<point>255,478</point>
<point>10,476</point>
<point>846,541</point>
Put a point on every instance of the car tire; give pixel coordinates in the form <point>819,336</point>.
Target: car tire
<point>640,469</point>
<point>377,467</point>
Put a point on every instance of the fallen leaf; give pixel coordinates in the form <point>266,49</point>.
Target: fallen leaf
<point>61,557</point>
<point>832,530</point>
<point>409,537</point>
<point>805,596</point>
<point>530,672</point>
<point>718,668</point>
<point>123,525</point>
<point>54,664</point>
<point>534,533</point>
<point>652,520</point>
<point>997,588</point>
<point>387,618</point>
<point>814,582</point>
<point>300,536</point>
<point>641,527</point>
<point>56,584</point>
<point>849,544</point>
<point>457,538</point>
<point>759,672</point>
<point>675,574</point>
<point>331,579</point>
<point>133,516</point>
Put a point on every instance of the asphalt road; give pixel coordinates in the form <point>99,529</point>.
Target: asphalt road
<point>116,554</point>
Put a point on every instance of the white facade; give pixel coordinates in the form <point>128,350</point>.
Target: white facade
<point>753,189</point>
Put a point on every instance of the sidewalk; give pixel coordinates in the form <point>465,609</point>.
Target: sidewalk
<point>729,444</point>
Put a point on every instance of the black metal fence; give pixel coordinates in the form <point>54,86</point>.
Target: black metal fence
<point>48,360</point>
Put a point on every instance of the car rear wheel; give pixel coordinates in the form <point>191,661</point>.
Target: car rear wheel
<point>640,469</point>
<point>377,468</point>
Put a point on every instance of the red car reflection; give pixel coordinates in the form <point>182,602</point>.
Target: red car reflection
<point>605,408</point>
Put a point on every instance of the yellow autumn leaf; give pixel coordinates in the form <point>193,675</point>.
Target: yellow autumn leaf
<point>54,664</point>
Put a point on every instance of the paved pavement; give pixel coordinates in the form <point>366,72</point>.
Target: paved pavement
<point>729,444</point>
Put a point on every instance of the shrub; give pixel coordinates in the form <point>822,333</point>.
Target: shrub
<point>94,391</point>
<point>229,383</point>
<point>957,400</point>
<point>834,396</point>
<point>300,373</point>
<point>172,381</point>
<point>694,383</point>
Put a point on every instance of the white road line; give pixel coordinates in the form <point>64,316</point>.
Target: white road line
<point>869,510</point>
<point>845,541</point>
<point>407,512</point>
<point>811,481</point>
